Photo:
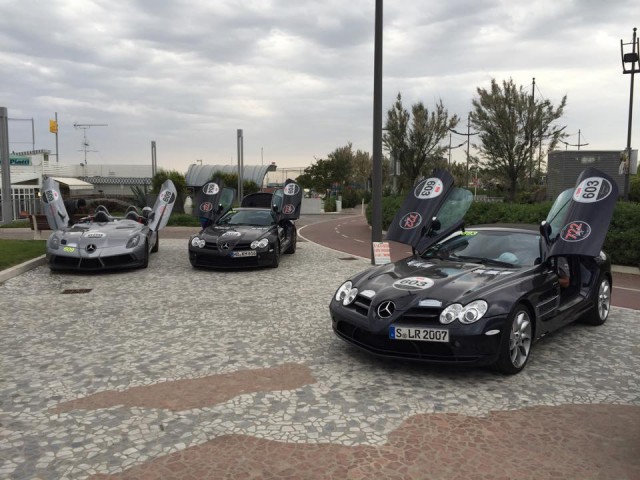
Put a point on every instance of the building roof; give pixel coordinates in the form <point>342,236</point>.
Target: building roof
<point>198,175</point>
<point>74,183</point>
<point>98,180</point>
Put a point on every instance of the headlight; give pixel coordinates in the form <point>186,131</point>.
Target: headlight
<point>133,241</point>
<point>450,313</point>
<point>259,243</point>
<point>343,291</point>
<point>350,297</point>
<point>198,242</point>
<point>473,312</point>
<point>467,314</point>
<point>54,242</point>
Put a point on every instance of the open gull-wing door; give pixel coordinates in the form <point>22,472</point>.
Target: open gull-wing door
<point>53,205</point>
<point>579,219</point>
<point>291,201</point>
<point>415,217</point>
<point>213,200</point>
<point>164,205</point>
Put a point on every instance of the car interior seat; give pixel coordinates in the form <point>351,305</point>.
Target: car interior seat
<point>101,216</point>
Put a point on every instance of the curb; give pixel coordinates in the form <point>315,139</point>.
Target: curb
<point>22,268</point>
<point>625,269</point>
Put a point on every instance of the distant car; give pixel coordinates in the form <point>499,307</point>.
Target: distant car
<point>254,235</point>
<point>101,241</point>
<point>480,295</point>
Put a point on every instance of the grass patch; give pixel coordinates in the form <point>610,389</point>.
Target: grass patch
<point>14,252</point>
<point>183,220</point>
<point>24,223</point>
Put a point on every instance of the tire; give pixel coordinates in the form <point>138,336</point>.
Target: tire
<point>600,312</point>
<point>294,243</point>
<point>516,341</point>
<point>156,247</point>
<point>276,256</point>
<point>145,261</point>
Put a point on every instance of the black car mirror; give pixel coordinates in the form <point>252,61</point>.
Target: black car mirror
<point>545,231</point>
<point>275,208</point>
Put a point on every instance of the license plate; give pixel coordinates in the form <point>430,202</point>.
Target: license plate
<point>419,334</point>
<point>244,253</point>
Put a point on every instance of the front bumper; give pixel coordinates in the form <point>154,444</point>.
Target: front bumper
<point>206,258</point>
<point>467,345</point>
<point>99,260</point>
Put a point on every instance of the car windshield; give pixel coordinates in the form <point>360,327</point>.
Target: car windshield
<point>262,218</point>
<point>496,247</point>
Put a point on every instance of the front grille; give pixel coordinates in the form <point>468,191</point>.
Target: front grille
<point>422,316</point>
<point>360,305</point>
<point>213,246</point>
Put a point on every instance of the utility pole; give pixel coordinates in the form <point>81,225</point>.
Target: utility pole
<point>7,204</point>
<point>85,143</point>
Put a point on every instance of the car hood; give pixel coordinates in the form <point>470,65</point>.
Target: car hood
<point>445,281</point>
<point>243,233</point>
<point>102,235</point>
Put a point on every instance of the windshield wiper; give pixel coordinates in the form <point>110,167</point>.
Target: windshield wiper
<point>484,260</point>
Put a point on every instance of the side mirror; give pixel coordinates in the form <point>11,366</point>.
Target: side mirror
<point>435,224</point>
<point>545,231</point>
<point>275,208</point>
<point>220,208</point>
<point>146,211</point>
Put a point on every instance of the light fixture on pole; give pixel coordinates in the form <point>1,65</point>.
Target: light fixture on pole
<point>629,59</point>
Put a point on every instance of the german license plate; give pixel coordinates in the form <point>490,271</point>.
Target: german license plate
<point>419,334</point>
<point>244,253</point>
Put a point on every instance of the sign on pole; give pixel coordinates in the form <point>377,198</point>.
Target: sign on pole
<point>381,253</point>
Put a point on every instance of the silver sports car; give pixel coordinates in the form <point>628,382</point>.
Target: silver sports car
<point>101,241</point>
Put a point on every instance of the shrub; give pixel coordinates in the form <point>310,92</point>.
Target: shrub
<point>622,241</point>
<point>330,204</point>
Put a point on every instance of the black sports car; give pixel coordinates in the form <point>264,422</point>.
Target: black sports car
<point>481,295</point>
<point>254,235</point>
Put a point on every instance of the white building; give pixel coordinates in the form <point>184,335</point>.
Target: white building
<point>29,168</point>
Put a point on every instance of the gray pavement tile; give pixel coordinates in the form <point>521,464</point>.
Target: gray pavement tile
<point>170,322</point>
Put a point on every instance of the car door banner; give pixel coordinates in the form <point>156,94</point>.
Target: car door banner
<point>208,200</point>
<point>588,215</point>
<point>414,218</point>
<point>53,205</point>
<point>292,201</point>
<point>163,206</point>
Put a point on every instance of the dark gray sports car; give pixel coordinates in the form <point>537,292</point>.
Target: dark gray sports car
<point>481,295</point>
<point>254,235</point>
<point>102,241</point>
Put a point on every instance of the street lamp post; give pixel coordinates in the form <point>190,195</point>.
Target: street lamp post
<point>629,58</point>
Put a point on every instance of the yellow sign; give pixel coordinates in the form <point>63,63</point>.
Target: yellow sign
<point>53,126</point>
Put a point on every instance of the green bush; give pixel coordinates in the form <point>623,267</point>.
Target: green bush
<point>353,197</point>
<point>330,204</point>
<point>622,241</point>
<point>634,188</point>
<point>182,220</point>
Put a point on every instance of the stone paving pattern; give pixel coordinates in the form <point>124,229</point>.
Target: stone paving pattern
<point>171,372</point>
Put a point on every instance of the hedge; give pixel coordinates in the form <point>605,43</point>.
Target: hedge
<point>622,241</point>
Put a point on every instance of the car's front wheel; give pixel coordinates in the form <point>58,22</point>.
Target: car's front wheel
<point>145,261</point>
<point>156,246</point>
<point>517,338</point>
<point>292,246</point>
<point>600,312</point>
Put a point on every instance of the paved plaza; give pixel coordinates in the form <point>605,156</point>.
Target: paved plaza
<point>171,372</point>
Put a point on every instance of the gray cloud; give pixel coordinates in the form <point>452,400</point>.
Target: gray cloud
<point>296,76</point>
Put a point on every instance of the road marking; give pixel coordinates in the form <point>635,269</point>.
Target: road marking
<point>361,241</point>
<point>625,288</point>
<point>345,236</point>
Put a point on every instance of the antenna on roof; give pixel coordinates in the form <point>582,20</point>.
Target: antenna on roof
<point>85,142</point>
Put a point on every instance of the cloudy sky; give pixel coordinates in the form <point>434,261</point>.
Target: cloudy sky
<point>295,75</point>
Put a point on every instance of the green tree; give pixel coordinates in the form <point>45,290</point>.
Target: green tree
<point>231,181</point>
<point>512,127</point>
<point>413,139</point>
<point>162,175</point>
<point>336,169</point>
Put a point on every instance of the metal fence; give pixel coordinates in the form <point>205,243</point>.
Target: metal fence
<point>25,202</point>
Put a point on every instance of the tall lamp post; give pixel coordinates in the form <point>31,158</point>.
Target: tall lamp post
<point>632,59</point>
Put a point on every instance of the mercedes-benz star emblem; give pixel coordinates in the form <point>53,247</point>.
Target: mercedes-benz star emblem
<point>224,246</point>
<point>386,309</point>
<point>91,248</point>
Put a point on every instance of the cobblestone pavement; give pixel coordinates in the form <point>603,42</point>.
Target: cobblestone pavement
<point>171,372</point>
